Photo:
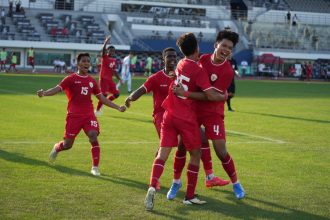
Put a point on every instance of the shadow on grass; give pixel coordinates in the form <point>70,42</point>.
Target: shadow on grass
<point>286,117</point>
<point>236,209</point>
<point>18,158</point>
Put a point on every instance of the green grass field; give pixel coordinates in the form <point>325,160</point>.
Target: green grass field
<point>278,136</point>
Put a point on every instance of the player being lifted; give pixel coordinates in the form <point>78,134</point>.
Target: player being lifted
<point>158,84</point>
<point>79,88</point>
<point>108,69</point>
<point>180,119</point>
<point>211,114</point>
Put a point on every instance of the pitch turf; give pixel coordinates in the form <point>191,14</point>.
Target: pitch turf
<point>278,136</point>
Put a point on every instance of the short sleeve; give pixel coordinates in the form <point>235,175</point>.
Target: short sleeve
<point>65,83</point>
<point>149,83</point>
<point>203,81</point>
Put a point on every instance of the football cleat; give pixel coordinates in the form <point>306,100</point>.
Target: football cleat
<point>53,154</point>
<point>149,200</point>
<point>193,201</point>
<point>216,181</point>
<point>171,194</point>
<point>238,190</point>
<point>95,171</point>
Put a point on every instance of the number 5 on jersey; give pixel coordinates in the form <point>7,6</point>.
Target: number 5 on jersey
<point>179,80</point>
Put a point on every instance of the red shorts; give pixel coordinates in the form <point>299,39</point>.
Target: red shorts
<point>75,123</point>
<point>108,87</point>
<point>31,60</point>
<point>214,127</point>
<point>2,62</point>
<point>188,130</point>
<point>158,118</point>
<point>13,65</point>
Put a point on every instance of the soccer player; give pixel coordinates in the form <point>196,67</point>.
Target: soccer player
<point>31,59</point>
<point>13,59</point>
<point>211,114</point>
<point>232,87</point>
<point>3,59</point>
<point>79,88</point>
<point>180,119</point>
<point>126,73</point>
<point>158,84</point>
<point>108,69</point>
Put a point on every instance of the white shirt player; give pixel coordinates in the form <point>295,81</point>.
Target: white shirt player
<point>125,70</point>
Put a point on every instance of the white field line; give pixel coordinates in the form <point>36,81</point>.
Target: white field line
<point>144,115</point>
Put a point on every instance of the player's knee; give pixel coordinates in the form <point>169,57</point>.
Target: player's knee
<point>92,135</point>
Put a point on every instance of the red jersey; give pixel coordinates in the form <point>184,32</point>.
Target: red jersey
<point>108,67</point>
<point>220,77</point>
<point>79,90</point>
<point>158,84</point>
<point>193,78</point>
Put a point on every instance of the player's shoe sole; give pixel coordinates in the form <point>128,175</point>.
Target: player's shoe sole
<point>194,201</point>
<point>149,200</point>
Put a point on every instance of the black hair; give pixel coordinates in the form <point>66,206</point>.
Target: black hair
<point>187,43</point>
<point>229,35</point>
<point>167,49</point>
<point>82,55</point>
<point>111,47</point>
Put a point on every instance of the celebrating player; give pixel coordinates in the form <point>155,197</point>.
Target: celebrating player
<point>108,69</point>
<point>79,87</point>
<point>180,119</point>
<point>211,114</point>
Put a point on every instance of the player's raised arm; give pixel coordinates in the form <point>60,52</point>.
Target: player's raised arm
<point>110,104</point>
<point>49,92</point>
<point>135,96</point>
<point>104,48</point>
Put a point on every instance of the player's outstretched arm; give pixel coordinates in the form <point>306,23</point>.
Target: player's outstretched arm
<point>104,48</point>
<point>110,104</point>
<point>118,77</point>
<point>135,96</point>
<point>49,92</point>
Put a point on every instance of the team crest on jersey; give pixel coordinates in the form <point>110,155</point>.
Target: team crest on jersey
<point>111,65</point>
<point>91,84</point>
<point>214,77</point>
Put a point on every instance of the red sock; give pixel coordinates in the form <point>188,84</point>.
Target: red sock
<point>192,176</point>
<point>206,158</point>
<point>112,97</point>
<point>95,150</point>
<point>179,162</point>
<point>59,146</point>
<point>99,105</point>
<point>157,170</point>
<point>229,166</point>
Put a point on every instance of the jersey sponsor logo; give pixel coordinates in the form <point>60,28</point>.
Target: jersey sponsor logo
<point>163,85</point>
<point>214,77</point>
<point>77,82</point>
<point>91,84</point>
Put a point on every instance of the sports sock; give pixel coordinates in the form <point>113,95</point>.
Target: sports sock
<point>206,158</point>
<point>95,150</point>
<point>229,166</point>
<point>179,162</point>
<point>192,176</point>
<point>157,170</point>
<point>59,146</point>
<point>228,102</point>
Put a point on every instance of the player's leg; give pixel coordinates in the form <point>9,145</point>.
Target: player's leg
<point>66,144</point>
<point>178,165</point>
<point>113,91</point>
<point>129,83</point>
<point>91,129</point>
<point>104,86</point>
<point>229,166</point>
<point>95,151</point>
<point>210,180</point>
